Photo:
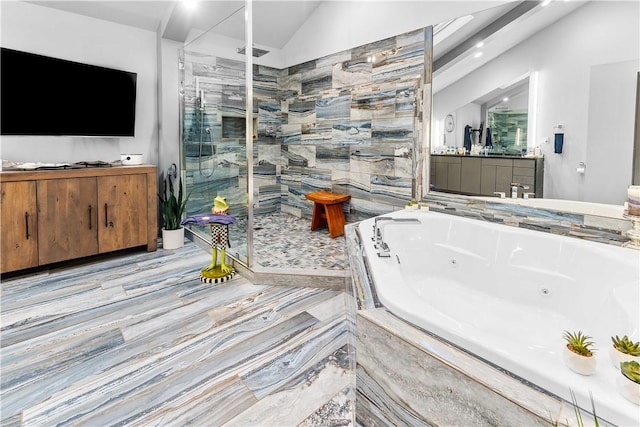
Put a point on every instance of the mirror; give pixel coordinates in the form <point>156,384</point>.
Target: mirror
<point>570,64</point>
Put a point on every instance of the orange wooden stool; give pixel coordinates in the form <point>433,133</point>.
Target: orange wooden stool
<point>327,210</point>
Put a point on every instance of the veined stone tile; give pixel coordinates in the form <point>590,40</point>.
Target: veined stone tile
<point>391,189</point>
<point>270,154</point>
<point>265,86</point>
<point>372,160</point>
<point>410,38</point>
<point>317,133</point>
<point>290,85</point>
<point>316,80</point>
<point>403,165</point>
<point>373,48</point>
<point>301,155</point>
<point>302,112</point>
<point>392,72</point>
<point>351,73</point>
<point>291,133</point>
<point>317,179</point>
<point>290,210</point>
<point>402,56</point>
<point>333,108</point>
<point>299,365</point>
<point>367,209</point>
<point>334,158</point>
<point>349,181</point>
<point>396,131</point>
<point>304,67</point>
<point>352,132</point>
<point>205,408</point>
<point>283,408</point>
<point>164,378</point>
<point>333,59</point>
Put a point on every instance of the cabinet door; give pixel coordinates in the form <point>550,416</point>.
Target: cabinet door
<point>453,175</point>
<point>19,243</point>
<point>67,219</point>
<point>441,175</point>
<point>122,214</point>
<point>470,176</point>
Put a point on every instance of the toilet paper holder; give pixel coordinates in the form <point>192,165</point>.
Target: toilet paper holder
<point>582,166</point>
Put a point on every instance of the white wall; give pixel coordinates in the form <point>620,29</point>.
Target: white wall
<point>339,25</point>
<point>51,32</point>
<point>601,32</point>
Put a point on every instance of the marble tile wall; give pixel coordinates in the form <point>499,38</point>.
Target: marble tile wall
<point>349,122</point>
<point>346,122</point>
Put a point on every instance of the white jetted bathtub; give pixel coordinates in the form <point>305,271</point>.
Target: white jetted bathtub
<point>507,294</point>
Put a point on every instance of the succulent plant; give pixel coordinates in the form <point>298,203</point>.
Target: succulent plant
<point>579,343</point>
<point>631,370</point>
<point>626,346</point>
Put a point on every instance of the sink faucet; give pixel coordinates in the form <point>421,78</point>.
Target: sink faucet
<point>514,189</point>
<point>380,244</point>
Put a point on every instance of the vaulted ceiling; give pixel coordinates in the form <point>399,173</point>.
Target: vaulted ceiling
<point>276,22</point>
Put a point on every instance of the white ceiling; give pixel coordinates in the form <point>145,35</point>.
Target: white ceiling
<point>276,22</point>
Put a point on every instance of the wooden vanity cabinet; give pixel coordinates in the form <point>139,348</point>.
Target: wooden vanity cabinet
<point>76,213</point>
<point>18,213</point>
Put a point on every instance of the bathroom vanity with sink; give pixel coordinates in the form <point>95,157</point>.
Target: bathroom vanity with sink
<point>486,175</point>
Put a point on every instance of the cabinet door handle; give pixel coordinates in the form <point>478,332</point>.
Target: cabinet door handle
<point>106,216</point>
<point>90,217</point>
<point>26,223</point>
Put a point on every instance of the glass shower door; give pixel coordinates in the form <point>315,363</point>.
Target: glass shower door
<point>213,145</point>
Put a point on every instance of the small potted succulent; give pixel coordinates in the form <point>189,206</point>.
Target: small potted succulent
<point>629,381</point>
<point>578,353</point>
<point>624,350</point>
<point>412,204</point>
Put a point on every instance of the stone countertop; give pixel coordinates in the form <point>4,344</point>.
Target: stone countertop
<point>491,156</point>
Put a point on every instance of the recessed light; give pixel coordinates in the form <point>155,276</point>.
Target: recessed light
<point>505,99</point>
<point>479,44</point>
<point>545,3</point>
<point>477,55</point>
<point>190,4</point>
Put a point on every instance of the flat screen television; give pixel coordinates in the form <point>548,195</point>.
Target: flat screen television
<point>50,96</point>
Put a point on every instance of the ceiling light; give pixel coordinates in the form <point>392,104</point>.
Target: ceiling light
<point>505,99</point>
<point>477,55</point>
<point>190,4</point>
<point>545,3</point>
<point>479,44</point>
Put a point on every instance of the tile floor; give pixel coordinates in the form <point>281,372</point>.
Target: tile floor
<point>136,339</point>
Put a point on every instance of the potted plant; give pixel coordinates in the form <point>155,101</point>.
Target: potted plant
<point>629,381</point>
<point>412,204</point>
<point>578,353</point>
<point>624,350</point>
<point>172,209</point>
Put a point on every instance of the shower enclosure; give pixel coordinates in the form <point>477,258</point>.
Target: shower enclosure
<point>213,135</point>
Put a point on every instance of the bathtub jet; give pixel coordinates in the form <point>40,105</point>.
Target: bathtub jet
<point>379,243</point>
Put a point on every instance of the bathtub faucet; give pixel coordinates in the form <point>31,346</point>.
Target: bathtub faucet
<point>514,189</point>
<point>380,244</point>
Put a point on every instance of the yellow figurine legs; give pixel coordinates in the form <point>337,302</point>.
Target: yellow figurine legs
<point>214,273</point>
<point>226,269</point>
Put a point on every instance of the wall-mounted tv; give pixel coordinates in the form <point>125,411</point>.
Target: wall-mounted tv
<point>50,96</point>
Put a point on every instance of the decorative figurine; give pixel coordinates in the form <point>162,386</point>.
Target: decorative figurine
<point>219,241</point>
<point>219,221</point>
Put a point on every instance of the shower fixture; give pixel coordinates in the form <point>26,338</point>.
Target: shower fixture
<point>257,53</point>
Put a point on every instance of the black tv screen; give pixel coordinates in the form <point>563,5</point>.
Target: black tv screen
<point>49,96</point>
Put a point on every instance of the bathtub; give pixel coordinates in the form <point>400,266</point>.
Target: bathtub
<point>506,295</point>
